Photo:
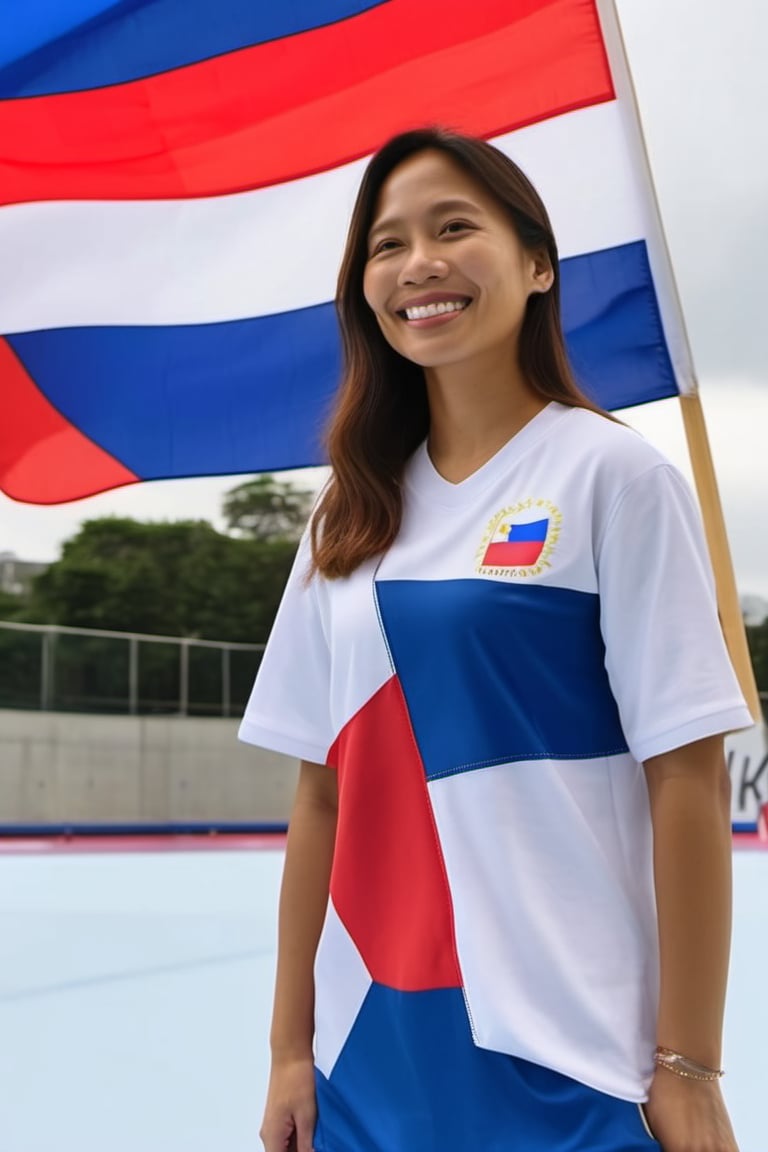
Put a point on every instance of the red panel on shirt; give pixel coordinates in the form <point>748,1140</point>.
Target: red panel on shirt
<point>388,884</point>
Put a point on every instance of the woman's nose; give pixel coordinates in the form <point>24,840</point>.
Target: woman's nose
<point>422,263</point>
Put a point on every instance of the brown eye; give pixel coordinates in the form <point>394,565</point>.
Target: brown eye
<point>385,246</point>
<point>454,227</point>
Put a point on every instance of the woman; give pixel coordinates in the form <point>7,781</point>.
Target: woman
<point>499,661</point>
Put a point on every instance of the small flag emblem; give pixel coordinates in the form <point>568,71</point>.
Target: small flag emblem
<point>519,539</point>
<point>516,545</point>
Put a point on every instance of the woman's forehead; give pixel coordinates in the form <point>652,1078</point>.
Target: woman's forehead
<point>429,182</point>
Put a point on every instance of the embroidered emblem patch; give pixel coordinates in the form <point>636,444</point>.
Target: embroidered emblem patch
<point>519,540</point>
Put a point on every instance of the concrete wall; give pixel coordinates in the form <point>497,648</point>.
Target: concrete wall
<point>60,767</point>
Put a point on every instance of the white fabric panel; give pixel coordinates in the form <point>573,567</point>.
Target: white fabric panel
<point>275,249</point>
<point>550,869</point>
<point>679,685</point>
<point>326,656</point>
<point>340,971</point>
<point>667,294</point>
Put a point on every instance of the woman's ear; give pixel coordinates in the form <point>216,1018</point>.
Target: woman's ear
<point>542,275</point>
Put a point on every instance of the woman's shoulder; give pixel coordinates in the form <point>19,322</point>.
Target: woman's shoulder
<point>623,476</point>
<point>617,452</point>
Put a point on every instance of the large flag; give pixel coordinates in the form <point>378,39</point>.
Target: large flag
<point>176,178</point>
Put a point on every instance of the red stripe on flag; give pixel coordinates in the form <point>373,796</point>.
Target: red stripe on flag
<point>43,458</point>
<point>292,107</point>
<point>518,554</point>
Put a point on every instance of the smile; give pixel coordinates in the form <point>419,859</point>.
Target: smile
<point>427,311</point>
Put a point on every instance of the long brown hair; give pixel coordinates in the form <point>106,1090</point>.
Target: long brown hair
<point>381,413</point>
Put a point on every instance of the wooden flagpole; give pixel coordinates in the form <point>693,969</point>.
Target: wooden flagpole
<point>731,619</point>
<point>699,450</point>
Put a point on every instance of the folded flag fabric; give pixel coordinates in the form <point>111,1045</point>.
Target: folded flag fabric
<point>176,178</point>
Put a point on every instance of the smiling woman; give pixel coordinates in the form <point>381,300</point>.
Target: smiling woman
<point>425,231</point>
<point>504,915</point>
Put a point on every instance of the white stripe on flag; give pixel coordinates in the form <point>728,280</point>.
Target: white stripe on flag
<point>163,262</point>
<point>659,257</point>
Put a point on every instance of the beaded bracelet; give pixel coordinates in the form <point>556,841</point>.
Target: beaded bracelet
<point>683,1066</point>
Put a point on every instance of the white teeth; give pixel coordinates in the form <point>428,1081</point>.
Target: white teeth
<point>423,311</point>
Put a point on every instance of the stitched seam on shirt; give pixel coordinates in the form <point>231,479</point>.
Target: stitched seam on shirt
<point>720,715</point>
<point>379,617</point>
<point>519,757</point>
<point>271,730</point>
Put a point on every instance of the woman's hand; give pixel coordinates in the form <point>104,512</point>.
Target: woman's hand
<point>290,1112</point>
<point>688,1115</point>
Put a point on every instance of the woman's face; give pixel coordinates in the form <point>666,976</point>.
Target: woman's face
<point>447,276</point>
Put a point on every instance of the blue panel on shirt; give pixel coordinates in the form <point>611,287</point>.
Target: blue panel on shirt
<point>495,672</point>
<point>410,1079</point>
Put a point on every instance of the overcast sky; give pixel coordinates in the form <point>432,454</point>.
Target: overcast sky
<point>702,85</point>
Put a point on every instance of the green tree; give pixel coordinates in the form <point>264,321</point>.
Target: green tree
<point>174,579</point>
<point>758,648</point>
<point>165,579</point>
<point>12,605</point>
<point>267,509</point>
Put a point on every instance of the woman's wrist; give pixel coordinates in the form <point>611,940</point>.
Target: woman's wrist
<point>681,1065</point>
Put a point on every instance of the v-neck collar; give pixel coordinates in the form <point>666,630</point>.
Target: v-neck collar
<point>423,479</point>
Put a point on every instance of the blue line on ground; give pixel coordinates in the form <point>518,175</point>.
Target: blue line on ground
<point>103,978</point>
<point>188,829</point>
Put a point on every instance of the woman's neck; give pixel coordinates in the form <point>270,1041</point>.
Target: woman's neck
<point>473,415</point>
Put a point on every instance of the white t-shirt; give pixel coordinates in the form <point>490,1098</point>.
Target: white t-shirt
<point>487,693</point>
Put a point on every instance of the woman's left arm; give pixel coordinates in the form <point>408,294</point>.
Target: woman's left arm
<point>689,793</point>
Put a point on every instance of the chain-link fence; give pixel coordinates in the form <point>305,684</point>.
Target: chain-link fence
<point>59,669</point>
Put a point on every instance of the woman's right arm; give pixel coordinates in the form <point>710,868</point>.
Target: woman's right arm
<point>289,1116</point>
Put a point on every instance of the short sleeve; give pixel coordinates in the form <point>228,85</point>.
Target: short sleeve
<point>289,707</point>
<point>665,654</point>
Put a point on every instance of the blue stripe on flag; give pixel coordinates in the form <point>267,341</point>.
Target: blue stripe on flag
<point>193,400</point>
<point>524,533</point>
<point>49,46</point>
<point>613,327</point>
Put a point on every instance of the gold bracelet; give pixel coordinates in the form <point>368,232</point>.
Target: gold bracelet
<point>684,1066</point>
